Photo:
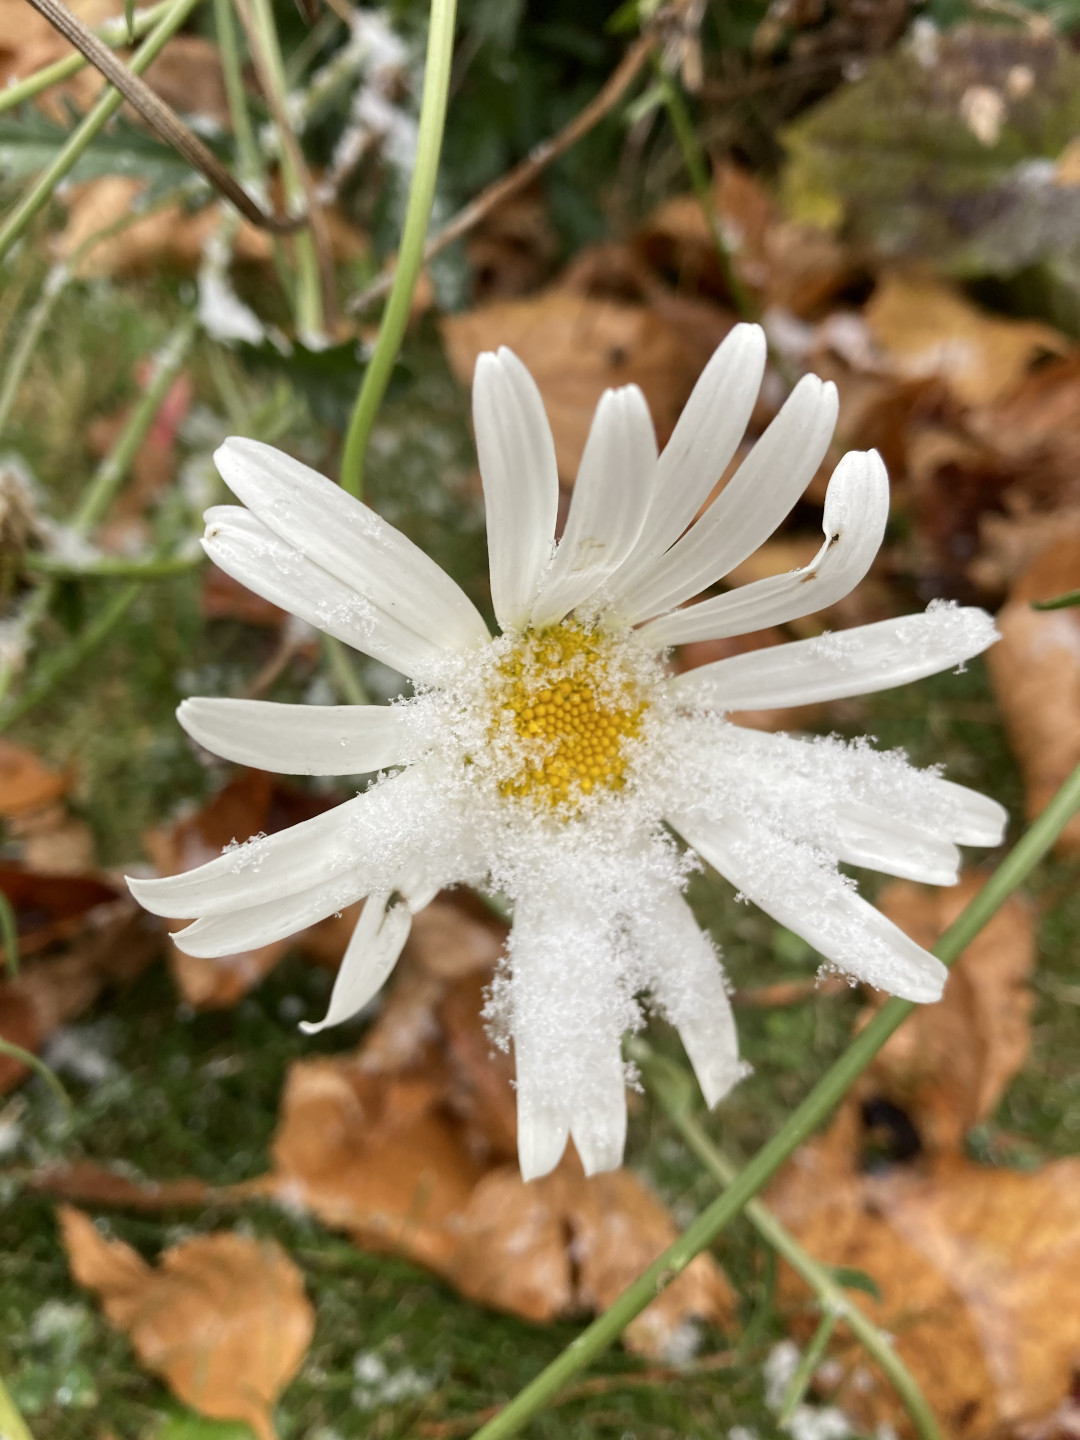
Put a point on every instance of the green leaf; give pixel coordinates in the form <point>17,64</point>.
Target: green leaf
<point>852,1279</point>
<point>29,141</point>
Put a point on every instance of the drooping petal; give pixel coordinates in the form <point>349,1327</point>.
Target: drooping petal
<point>372,953</point>
<point>705,438</point>
<point>856,512</point>
<point>786,881</point>
<point>979,820</point>
<point>747,510</point>
<point>516,451</point>
<point>835,665</point>
<point>351,542</point>
<point>688,985</point>
<point>267,921</point>
<point>598,1119</point>
<point>611,497</point>
<point>299,739</point>
<point>353,837</point>
<point>241,545</point>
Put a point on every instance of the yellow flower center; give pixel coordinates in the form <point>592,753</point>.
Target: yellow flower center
<point>570,706</point>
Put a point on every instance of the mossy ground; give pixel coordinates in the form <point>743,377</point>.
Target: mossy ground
<point>198,1094</point>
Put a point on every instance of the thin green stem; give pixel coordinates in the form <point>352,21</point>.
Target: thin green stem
<point>35,1063</point>
<point>60,664</point>
<point>84,134</point>
<point>55,282</point>
<point>802,1123</point>
<point>674,1088</point>
<point>12,1425</point>
<point>9,930</point>
<point>113,32</point>
<point>440,50</point>
<point>159,568</point>
<point>1059,602</point>
<point>249,157</point>
<point>697,168</point>
<point>804,1371</point>
<point>341,668</point>
<point>110,473</point>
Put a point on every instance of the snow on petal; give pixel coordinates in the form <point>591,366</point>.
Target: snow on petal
<point>838,664</point>
<point>272,919</point>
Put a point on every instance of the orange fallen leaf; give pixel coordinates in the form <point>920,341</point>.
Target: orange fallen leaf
<point>224,1319</point>
<point>26,782</point>
<point>926,327</point>
<point>949,1065</point>
<point>1035,670</point>
<point>576,347</point>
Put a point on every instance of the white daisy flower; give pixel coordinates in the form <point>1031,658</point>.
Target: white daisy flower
<point>558,762</point>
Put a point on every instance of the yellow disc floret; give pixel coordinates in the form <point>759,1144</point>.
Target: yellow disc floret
<point>570,707</point>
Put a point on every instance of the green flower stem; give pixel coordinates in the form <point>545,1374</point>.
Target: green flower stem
<point>12,1425</point>
<point>804,1371</point>
<point>348,682</point>
<point>802,1123</point>
<point>86,131</point>
<point>35,1063</point>
<point>674,1088</point>
<point>158,568</point>
<point>310,319</point>
<point>60,663</point>
<point>249,157</point>
<point>109,475</point>
<point>1059,602</point>
<point>9,929</point>
<point>440,50</point>
<point>113,32</point>
<point>15,368</point>
<point>698,169</point>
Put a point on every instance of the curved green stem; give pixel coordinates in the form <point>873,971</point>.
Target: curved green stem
<point>35,1063</point>
<point>674,1088</point>
<point>12,1425</point>
<point>799,1126</point>
<point>440,50</point>
<point>80,139</point>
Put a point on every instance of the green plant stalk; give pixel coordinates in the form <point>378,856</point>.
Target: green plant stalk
<point>250,165</point>
<point>35,1063</point>
<point>804,1371</point>
<point>1059,602</point>
<point>673,1087</point>
<point>55,283</point>
<point>86,131</point>
<point>310,321</point>
<point>9,930</point>
<point>800,1124</point>
<point>159,568</point>
<point>698,170</point>
<point>440,50</point>
<point>63,661</point>
<point>341,669</point>
<point>114,32</point>
<point>12,1425</point>
<point>110,473</point>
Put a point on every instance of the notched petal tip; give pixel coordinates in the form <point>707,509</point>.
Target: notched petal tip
<point>541,1142</point>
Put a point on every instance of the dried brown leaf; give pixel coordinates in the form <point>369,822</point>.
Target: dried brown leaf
<point>1035,670</point>
<point>223,1319</point>
<point>26,782</point>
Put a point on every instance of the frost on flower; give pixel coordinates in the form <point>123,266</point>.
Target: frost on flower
<point>557,762</point>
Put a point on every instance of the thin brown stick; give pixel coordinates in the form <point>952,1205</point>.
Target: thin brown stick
<point>161,117</point>
<point>620,80</point>
<point>595,1385</point>
<point>316,220</point>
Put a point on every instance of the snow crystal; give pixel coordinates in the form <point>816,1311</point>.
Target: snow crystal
<point>378,1386</point>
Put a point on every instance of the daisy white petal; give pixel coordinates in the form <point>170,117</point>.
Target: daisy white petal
<point>856,512</point>
<point>877,840</point>
<point>372,953</point>
<point>516,451</point>
<point>688,985</point>
<point>611,497</point>
<point>244,548</point>
<point>349,541</point>
<point>299,739</point>
<point>788,883</point>
<point>235,930</point>
<point>979,819</point>
<point>747,510</point>
<point>701,446</point>
<point>835,665</point>
<point>598,1123</point>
